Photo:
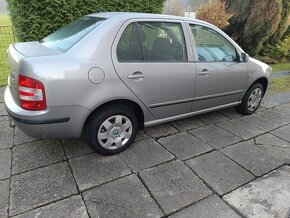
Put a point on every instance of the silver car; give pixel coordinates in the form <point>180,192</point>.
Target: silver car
<point>106,75</point>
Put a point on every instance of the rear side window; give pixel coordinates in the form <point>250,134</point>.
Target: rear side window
<point>130,46</point>
<point>152,42</point>
<point>212,46</point>
<point>72,33</point>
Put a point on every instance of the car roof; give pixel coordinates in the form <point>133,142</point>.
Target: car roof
<point>132,15</point>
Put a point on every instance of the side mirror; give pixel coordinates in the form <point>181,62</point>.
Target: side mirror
<point>245,57</point>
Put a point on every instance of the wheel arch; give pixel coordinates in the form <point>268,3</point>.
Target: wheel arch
<point>129,103</point>
<point>263,81</point>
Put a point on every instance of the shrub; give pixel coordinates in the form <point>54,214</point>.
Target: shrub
<point>214,13</point>
<point>266,59</point>
<point>284,25</point>
<point>280,52</point>
<point>35,19</point>
<point>284,49</point>
<point>256,21</point>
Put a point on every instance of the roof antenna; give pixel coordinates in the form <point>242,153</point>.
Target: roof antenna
<point>98,11</point>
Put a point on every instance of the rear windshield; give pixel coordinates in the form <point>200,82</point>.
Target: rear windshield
<point>72,33</point>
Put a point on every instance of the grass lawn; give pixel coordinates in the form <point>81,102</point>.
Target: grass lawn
<point>280,67</point>
<point>6,37</point>
<point>5,20</point>
<point>280,84</point>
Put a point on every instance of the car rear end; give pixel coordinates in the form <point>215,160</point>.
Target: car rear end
<point>43,76</point>
<point>26,97</point>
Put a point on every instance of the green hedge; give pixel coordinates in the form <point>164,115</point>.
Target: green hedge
<point>35,19</point>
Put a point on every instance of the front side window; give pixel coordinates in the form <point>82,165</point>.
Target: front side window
<point>152,42</point>
<point>212,46</point>
<point>72,33</point>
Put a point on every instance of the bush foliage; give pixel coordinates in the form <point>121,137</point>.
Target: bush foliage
<point>214,13</point>
<point>257,23</point>
<point>280,51</point>
<point>35,19</point>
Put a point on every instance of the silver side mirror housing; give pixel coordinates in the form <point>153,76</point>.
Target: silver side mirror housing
<point>245,57</point>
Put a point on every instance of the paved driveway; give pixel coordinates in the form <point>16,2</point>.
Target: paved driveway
<point>219,164</point>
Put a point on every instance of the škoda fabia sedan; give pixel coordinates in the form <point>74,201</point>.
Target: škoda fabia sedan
<point>106,75</point>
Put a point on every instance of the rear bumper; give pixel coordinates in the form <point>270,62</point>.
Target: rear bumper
<point>54,122</point>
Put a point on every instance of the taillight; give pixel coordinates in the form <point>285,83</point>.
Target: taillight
<point>31,94</point>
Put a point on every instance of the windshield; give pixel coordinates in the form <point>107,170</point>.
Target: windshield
<point>72,33</point>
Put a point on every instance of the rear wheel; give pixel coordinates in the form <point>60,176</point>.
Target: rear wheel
<point>251,100</point>
<point>112,129</point>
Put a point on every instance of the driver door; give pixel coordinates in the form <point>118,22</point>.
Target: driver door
<point>220,74</point>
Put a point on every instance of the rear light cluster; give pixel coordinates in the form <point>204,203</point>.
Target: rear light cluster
<point>31,94</point>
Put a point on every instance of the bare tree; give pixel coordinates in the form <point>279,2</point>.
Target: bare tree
<point>173,7</point>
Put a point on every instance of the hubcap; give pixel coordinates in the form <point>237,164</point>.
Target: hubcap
<point>115,132</point>
<point>254,99</point>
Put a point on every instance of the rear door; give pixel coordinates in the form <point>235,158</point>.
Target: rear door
<point>220,74</point>
<point>152,58</point>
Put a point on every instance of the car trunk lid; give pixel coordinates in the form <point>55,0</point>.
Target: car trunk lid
<point>34,49</point>
<point>16,55</point>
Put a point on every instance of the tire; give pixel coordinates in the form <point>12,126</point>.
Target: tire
<point>112,129</point>
<point>251,100</point>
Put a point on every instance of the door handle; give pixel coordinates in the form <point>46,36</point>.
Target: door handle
<point>136,75</point>
<point>204,72</point>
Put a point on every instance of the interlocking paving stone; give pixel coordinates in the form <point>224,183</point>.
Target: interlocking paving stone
<point>284,108</point>
<point>174,185</point>
<point>252,158</point>
<point>213,117</point>
<point>71,207</point>
<point>260,109</point>
<point>4,118</point>
<point>140,135</point>
<point>144,154</point>
<point>184,145</point>
<point>93,169</point>
<point>160,130</point>
<point>210,207</point>
<point>215,136</point>
<point>274,146</point>
<point>41,186</point>
<point>283,132</point>
<point>3,111</point>
<point>5,164</point>
<point>282,97</point>
<point>2,94</point>
<point>262,122</point>
<point>6,135</point>
<point>221,173</point>
<point>3,214</point>
<point>20,137</point>
<point>36,154</point>
<point>276,115</point>
<point>4,197</point>
<point>187,123</point>
<point>268,196</point>
<point>240,128</point>
<point>231,113</point>
<point>268,104</point>
<point>125,197</point>
<point>76,147</point>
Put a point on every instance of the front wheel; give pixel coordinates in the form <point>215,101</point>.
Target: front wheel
<point>251,100</point>
<point>111,129</point>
